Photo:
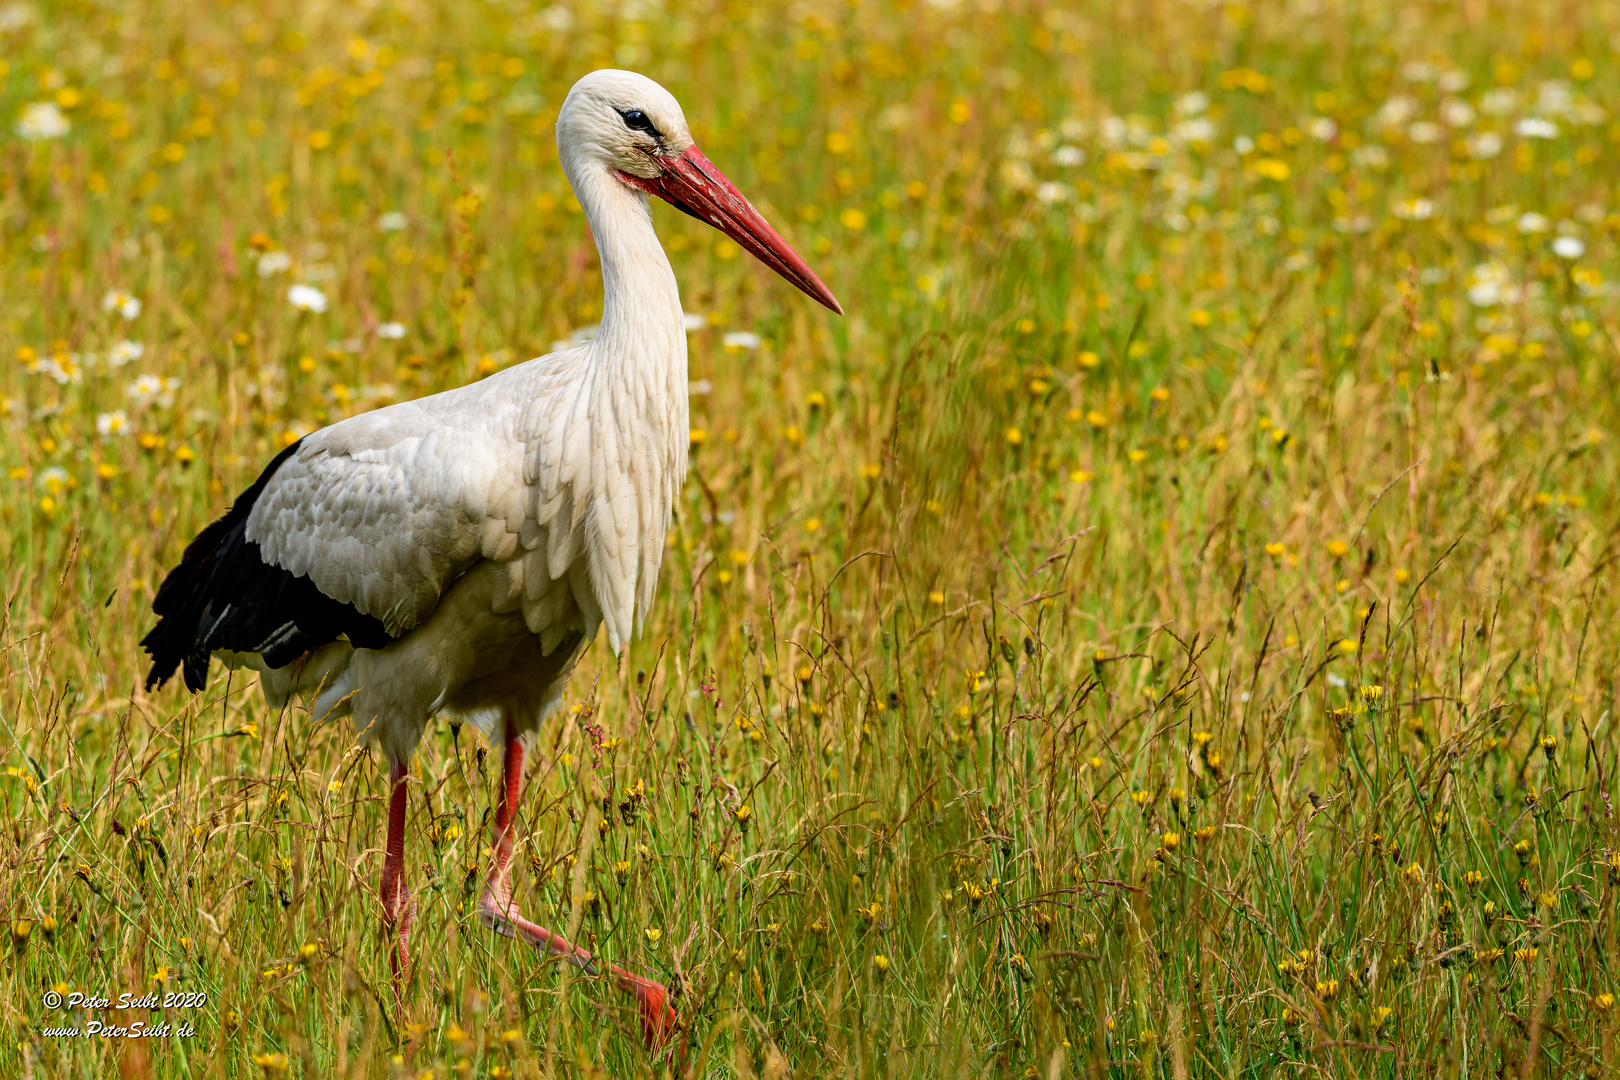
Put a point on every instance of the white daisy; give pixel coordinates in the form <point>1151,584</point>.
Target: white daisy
<point>63,375</point>
<point>1414,209</point>
<point>1569,247</point>
<point>1370,157</point>
<point>1191,104</point>
<point>1533,222</point>
<point>1424,131</point>
<point>1322,128</point>
<point>42,120</point>
<point>121,302</point>
<point>307,298</point>
<point>1484,146</point>
<point>144,389</point>
<point>1397,111</point>
<point>1454,81</point>
<point>125,351</point>
<point>274,262</point>
<point>1456,112</point>
<point>1199,129</point>
<point>1489,285</point>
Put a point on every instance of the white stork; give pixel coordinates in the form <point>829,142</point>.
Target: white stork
<point>456,554</point>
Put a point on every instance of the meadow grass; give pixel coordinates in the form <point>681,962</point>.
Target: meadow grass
<point>1167,628</point>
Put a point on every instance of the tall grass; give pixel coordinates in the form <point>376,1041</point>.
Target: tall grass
<point>1166,629</point>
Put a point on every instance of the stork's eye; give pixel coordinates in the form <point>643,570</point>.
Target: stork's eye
<point>636,120</point>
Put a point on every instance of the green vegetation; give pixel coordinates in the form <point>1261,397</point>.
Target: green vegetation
<point>1168,628</point>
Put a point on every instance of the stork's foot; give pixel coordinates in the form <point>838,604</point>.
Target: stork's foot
<point>657,1017</point>
<point>658,1025</point>
<point>498,913</point>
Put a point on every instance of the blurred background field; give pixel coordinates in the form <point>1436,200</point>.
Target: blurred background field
<point>1168,628</point>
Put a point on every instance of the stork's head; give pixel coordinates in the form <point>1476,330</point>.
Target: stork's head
<point>630,127</point>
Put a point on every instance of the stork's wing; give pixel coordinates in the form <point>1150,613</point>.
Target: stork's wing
<point>545,468</point>
<point>223,595</point>
<point>383,510</point>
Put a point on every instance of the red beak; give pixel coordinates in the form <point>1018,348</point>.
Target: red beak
<point>692,184</point>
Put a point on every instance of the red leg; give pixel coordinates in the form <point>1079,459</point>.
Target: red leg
<point>500,914</point>
<point>506,813</point>
<point>399,909</point>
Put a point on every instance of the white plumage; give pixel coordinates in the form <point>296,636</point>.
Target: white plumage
<point>456,553</point>
<point>546,489</point>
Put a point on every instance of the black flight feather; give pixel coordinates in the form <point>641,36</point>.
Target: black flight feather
<point>224,595</point>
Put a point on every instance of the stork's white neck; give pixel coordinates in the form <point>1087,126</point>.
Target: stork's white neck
<point>635,369</point>
<point>641,304</point>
